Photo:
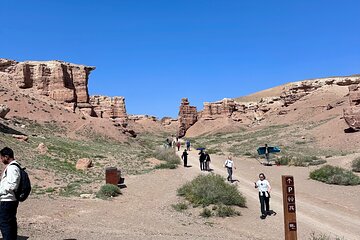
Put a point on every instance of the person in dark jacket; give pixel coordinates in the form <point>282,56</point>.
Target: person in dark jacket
<point>184,157</point>
<point>207,161</point>
<point>202,160</point>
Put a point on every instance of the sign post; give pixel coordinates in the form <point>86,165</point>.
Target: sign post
<point>290,225</point>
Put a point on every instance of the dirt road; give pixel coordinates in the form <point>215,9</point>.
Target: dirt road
<point>144,210</point>
<point>321,208</point>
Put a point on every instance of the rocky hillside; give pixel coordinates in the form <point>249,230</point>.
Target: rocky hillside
<point>61,89</point>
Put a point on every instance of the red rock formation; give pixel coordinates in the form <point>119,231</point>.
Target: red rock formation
<point>4,109</point>
<point>187,116</point>
<point>295,91</point>
<point>109,107</point>
<point>352,113</point>
<point>221,108</point>
<point>63,82</point>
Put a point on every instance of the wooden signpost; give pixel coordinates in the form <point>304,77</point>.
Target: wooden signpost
<point>290,225</point>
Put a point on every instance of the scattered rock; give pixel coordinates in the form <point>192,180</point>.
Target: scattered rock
<point>88,196</point>
<point>4,109</point>
<point>42,149</point>
<point>329,107</point>
<point>282,112</point>
<point>83,163</point>
<point>20,137</point>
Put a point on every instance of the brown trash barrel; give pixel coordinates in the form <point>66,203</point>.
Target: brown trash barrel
<point>112,176</point>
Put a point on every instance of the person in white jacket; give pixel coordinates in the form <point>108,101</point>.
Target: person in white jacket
<point>264,195</point>
<point>10,180</point>
<point>229,164</point>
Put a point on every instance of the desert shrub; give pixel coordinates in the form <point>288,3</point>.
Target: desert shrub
<point>169,156</point>
<point>211,189</point>
<point>108,190</point>
<point>300,160</point>
<point>314,236</point>
<point>335,175</point>
<point>206,213</point>
<point>213,151</point>
<point>180,206</point>
<point>226,211</point>
<point>283,160</point>
<point>305,161</point>
<point>72,189</point>
<point>355,164</point>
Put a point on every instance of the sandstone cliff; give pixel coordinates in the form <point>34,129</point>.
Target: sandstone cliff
<point>251,113</point>
<point>109,107</point>
<point>61,81</point>
<point>352,113</point>
<point>187,117</point>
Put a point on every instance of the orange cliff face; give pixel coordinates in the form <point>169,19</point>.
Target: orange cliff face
<point>255,112</point>
<point>187,117</point>
<point>61,81</point>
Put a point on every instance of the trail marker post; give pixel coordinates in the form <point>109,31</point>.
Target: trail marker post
<point>290,224</point>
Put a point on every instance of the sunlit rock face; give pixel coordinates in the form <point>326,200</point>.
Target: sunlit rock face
<point>187,117</point>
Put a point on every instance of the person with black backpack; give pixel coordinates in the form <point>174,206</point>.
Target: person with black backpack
<point>10,182</point>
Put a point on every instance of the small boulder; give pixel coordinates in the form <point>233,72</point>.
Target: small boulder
<point>83,164</point>
<point>329,107</point>
<point>42,149</point>
<point>20,137</point>
<point>4,110</point>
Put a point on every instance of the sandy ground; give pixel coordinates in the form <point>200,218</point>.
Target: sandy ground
<point>144,210</point>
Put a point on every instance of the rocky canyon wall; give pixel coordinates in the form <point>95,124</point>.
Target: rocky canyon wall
<point>255,112</point>
<point>187,117</point>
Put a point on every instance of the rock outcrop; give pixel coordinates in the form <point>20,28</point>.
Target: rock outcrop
<point>254,112</point>
<point>187,117</point>
<point>295,91</point>
<point>221,108</point>
<point>61,81</point>
<point>109,107</point>
<point>4,110</point>
<point>352,113</point>
<point>83,164</point>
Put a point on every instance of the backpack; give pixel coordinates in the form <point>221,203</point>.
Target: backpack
<point>24,188</point>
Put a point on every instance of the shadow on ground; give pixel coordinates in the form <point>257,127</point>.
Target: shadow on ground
<point>8,130</point>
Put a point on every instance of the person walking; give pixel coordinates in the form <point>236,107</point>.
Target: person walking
<point>229,164</point>
<point>267,154</point>
<point>202,160</point>
<point>207,161</point>
<point>10,180</point>
<point>184,157</point>
<point>178,144</point>
<point>188,145</point>
<point>264,195</point>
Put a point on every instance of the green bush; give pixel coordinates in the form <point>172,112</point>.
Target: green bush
<point>335,175</point>
<point>108,190</point>
<point>169,156</point>
<point>226,211</point>
<point>356,164</point>
<point>283,160</point>
<point>206,213</point>
<point>300,161</point>
<point>314,236</point>
<point>180,207</point>
<point>211,189</point>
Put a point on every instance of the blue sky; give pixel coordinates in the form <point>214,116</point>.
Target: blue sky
<point>155,52</point>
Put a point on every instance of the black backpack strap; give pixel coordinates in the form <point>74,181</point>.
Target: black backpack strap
<point>18,165</point>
